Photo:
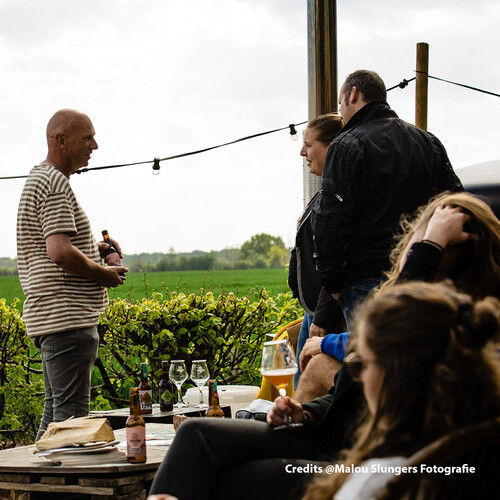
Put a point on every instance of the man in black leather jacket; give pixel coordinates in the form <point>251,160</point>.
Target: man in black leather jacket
<point>378,168</point>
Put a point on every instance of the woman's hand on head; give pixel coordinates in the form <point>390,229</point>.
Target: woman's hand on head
<point>446,226</point>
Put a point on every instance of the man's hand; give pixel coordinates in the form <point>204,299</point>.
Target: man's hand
<point>316,331</point>
<point>310,349</point>
<point>285,406</point>
<point>104,246</point>
<point>110,277</point>
<point>73,261</point>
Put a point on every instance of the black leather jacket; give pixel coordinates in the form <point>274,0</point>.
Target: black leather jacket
<point>376,169</point>
<point>305,282</point>
<point>303,279</point>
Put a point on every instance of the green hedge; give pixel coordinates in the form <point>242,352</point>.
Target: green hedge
<point>227,331</point>
<point>21,383</point>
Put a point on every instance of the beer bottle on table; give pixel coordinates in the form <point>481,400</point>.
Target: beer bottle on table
<point>111,255</point>
<point>214,409</point>
<point>136,431</point>
<point>145,392</point>
<point>166,389</point>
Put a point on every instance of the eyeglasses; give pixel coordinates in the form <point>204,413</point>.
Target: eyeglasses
<point>356,364</point>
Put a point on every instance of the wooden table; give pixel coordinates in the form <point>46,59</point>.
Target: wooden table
<point>25,476</point>
<point>117,418</point>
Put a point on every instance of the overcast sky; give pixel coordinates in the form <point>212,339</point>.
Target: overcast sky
<point>164,77</point>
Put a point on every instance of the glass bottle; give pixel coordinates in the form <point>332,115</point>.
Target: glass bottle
<point>166,389</point>
<point>214,409</point>
<point>111,255</point>
<point>145,392</point>
<point>136,431</point>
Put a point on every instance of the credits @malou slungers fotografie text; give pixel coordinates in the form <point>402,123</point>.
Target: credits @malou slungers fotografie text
<point>379,469</point>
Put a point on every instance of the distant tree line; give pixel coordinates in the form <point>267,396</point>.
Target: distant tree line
<point>8,267</point>
<point>259,252</point>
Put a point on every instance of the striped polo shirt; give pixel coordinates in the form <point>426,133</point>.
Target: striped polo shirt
<point>55,300</point>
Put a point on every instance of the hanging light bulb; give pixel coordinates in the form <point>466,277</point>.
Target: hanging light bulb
<point>293,133</point>
<point>156,166</point>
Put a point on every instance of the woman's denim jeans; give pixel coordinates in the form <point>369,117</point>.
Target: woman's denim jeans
<point>67,361</point>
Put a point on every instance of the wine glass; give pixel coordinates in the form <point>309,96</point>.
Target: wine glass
<point>279,366</point>
<point>200,375</point>
<point>178,375</point>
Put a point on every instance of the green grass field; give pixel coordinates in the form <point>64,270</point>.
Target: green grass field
<point>139,285</point>
<point>10,288</point>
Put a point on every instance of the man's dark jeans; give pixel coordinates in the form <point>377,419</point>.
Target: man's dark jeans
<point>67,361</point>
<point>354,292</point>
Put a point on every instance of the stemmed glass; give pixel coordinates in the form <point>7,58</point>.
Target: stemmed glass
<point>200,375</point>
<point>178,375</point>
<point>279,366</point>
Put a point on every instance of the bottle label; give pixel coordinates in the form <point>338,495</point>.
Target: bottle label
<point>146,400</point>
<point>165,398</point>
<point>136,441</point>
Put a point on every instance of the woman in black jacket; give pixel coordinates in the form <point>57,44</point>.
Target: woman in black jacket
<point>302,277</point>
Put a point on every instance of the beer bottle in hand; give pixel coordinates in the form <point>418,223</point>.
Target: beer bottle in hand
<point>214,409</point>
<point>145,392</point>
<point>136,431</point>
<point>166,389</point>
<point>111,255</point>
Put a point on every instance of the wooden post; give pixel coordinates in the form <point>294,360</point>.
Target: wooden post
<point>421,87</point>
<point>322,71</point>
<point>322,56</point>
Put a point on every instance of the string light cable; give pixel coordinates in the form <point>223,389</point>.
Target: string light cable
<point>156,161</point>
<point>293,134</point>
<point>459,84</point>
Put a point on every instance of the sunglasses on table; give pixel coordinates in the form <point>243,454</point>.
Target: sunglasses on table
<point>356,364</point>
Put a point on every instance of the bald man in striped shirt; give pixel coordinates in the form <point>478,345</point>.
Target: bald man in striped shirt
<point>61,271</point>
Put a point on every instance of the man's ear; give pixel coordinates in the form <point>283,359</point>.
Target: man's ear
<point>60,140</point>
<point>355,95</point>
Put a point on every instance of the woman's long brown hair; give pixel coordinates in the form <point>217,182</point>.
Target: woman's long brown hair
<point>430,341</point>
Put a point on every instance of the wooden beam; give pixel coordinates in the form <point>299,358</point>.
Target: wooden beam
<point>322,56</point>
<point>322,72</point>
<point>421,86</point>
